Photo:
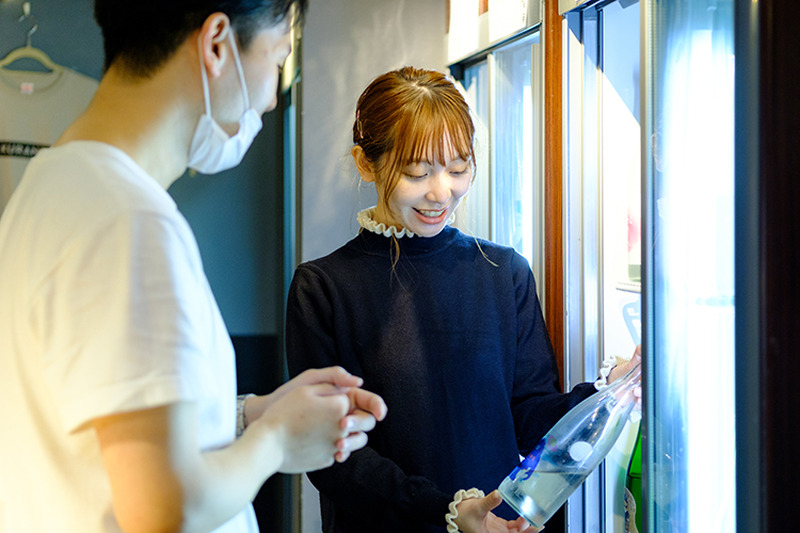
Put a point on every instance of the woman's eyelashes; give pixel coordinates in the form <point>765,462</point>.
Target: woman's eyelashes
<point>417,173</point>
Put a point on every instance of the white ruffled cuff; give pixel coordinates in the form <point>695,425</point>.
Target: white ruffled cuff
<point>609,362</point>
<point>458,498</point>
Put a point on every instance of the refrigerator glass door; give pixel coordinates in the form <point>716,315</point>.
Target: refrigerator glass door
<point>689,451</point>
<point>602,199</point>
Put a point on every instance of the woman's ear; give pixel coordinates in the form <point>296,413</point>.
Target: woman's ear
<point>362,164</point>
<point>213,33</point>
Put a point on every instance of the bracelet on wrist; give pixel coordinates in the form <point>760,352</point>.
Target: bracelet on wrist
<point>241,416</point>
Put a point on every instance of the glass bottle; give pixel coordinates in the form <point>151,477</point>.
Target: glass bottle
<point>633,489</point>
<point>570,451</point>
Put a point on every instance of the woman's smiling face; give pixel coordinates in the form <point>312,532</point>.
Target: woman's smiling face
<point>426,194</point>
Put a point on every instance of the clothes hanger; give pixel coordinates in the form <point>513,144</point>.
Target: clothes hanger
<point>28,51</point>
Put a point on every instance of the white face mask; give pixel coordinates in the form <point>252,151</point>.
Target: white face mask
<point>212,149</point>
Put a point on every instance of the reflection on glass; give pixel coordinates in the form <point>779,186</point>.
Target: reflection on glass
<point>692,467</point>
<point>473,216</point>
<point>506,202</point>
<point>621,177</point>
<point>621,141</point>
<point>513,149</point>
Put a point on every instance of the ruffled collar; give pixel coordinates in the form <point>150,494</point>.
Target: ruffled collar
<point>365,220</point>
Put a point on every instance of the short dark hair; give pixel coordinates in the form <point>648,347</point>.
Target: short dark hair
<point>143,34</point>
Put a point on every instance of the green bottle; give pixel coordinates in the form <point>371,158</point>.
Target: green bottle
<point>633,489</point>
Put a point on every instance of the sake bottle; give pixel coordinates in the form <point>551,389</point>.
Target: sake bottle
<point>570,451</point>
<point>633,489</point>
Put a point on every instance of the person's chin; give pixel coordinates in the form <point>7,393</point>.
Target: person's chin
<point>430,231</point>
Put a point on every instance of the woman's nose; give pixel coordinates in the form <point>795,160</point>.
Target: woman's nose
<point>440,188</point>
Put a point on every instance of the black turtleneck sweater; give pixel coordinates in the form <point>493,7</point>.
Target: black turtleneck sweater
<point>452,337</point>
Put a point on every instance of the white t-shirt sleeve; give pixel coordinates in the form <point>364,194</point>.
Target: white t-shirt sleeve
<point>124,319</point>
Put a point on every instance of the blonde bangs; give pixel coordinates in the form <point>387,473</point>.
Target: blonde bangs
<point>421,135</point>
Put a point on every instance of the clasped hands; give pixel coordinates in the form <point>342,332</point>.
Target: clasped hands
<point>321,416</point>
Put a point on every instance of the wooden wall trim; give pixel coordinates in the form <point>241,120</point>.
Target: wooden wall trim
<point>554,271</point>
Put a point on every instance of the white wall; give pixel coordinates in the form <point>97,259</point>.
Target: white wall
<point>347,43</point>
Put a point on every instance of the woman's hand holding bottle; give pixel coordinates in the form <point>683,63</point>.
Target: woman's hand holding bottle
<point>476,516</point>
<point>623,369</point>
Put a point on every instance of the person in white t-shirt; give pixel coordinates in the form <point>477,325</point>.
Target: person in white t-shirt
<point>118,404</point>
